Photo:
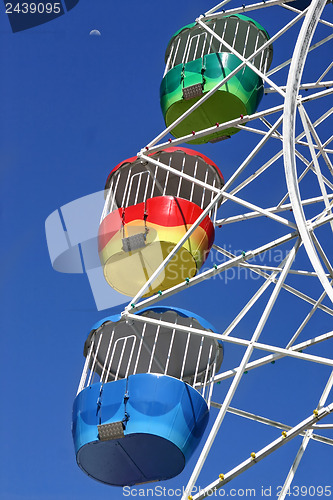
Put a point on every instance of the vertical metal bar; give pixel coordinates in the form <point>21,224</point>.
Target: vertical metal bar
<point>211,40</point>
<point>256,46</point>
<point>154,182</point>
<point>185,354</point>
<point>127,180</point>
<point>204,45</point>
<point>187,42</point>
<point>112,207</point>
<point>207,370</point>
<point>180,178</point>
<point>95,358</point>
<point>176,53</point>
<point>204,190</point>
<point>198,361</point>
<point>154,347</point>
<point>189,50</point>
<point>169,352</point>
<point>140,346</point>
<point>196,47</point>
<point>107,355</point>
<point>129,190</point>
<point>194,175</point>
<point>106,203</point>
<point>235,35</point>
<point>131,355</point>
<point>222,36</point>
<point>211,383</point>
<point>146,188</point>
<point>138,188</point>
<point>167,177</point>
<point>246,39</point>
<point>85,368</point>
<point>262,54</point>
<point>111,357</point>
<point>266,61</point>
<point>215,208</point>
<point>121,356</point>
<point>168,61</point>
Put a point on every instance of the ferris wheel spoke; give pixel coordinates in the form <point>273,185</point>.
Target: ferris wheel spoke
<point>234,261</point>
<point>305,441</point>
<point>264,452</point>
<point>240,371</point>
<point>153,146</point>
<point>281,208</point>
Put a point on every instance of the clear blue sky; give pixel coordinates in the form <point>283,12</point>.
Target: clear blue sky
<point>72,107</point>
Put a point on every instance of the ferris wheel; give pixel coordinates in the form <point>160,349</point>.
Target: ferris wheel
<point>152,373</point>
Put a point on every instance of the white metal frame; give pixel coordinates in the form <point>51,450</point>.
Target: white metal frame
<point>301,230</point>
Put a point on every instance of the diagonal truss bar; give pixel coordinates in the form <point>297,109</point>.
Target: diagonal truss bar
<point>306,320</point>
<point>246,61</point>
<point>290,289</point>
<point>273,423</point>
<point>281,208</point>
<point>305,442</point>
<point>244,8</point>
<point>273,357</point>
<point>252,301</point>
<point>286,63</point>
<point>212,272</point>
<point>325,72</point>
<point>209,130</point>
<point>264,452</point>
<point>173,252</point>
<point>263,211</point>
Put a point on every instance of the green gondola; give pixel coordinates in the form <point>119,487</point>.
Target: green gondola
<point>196,62</point>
